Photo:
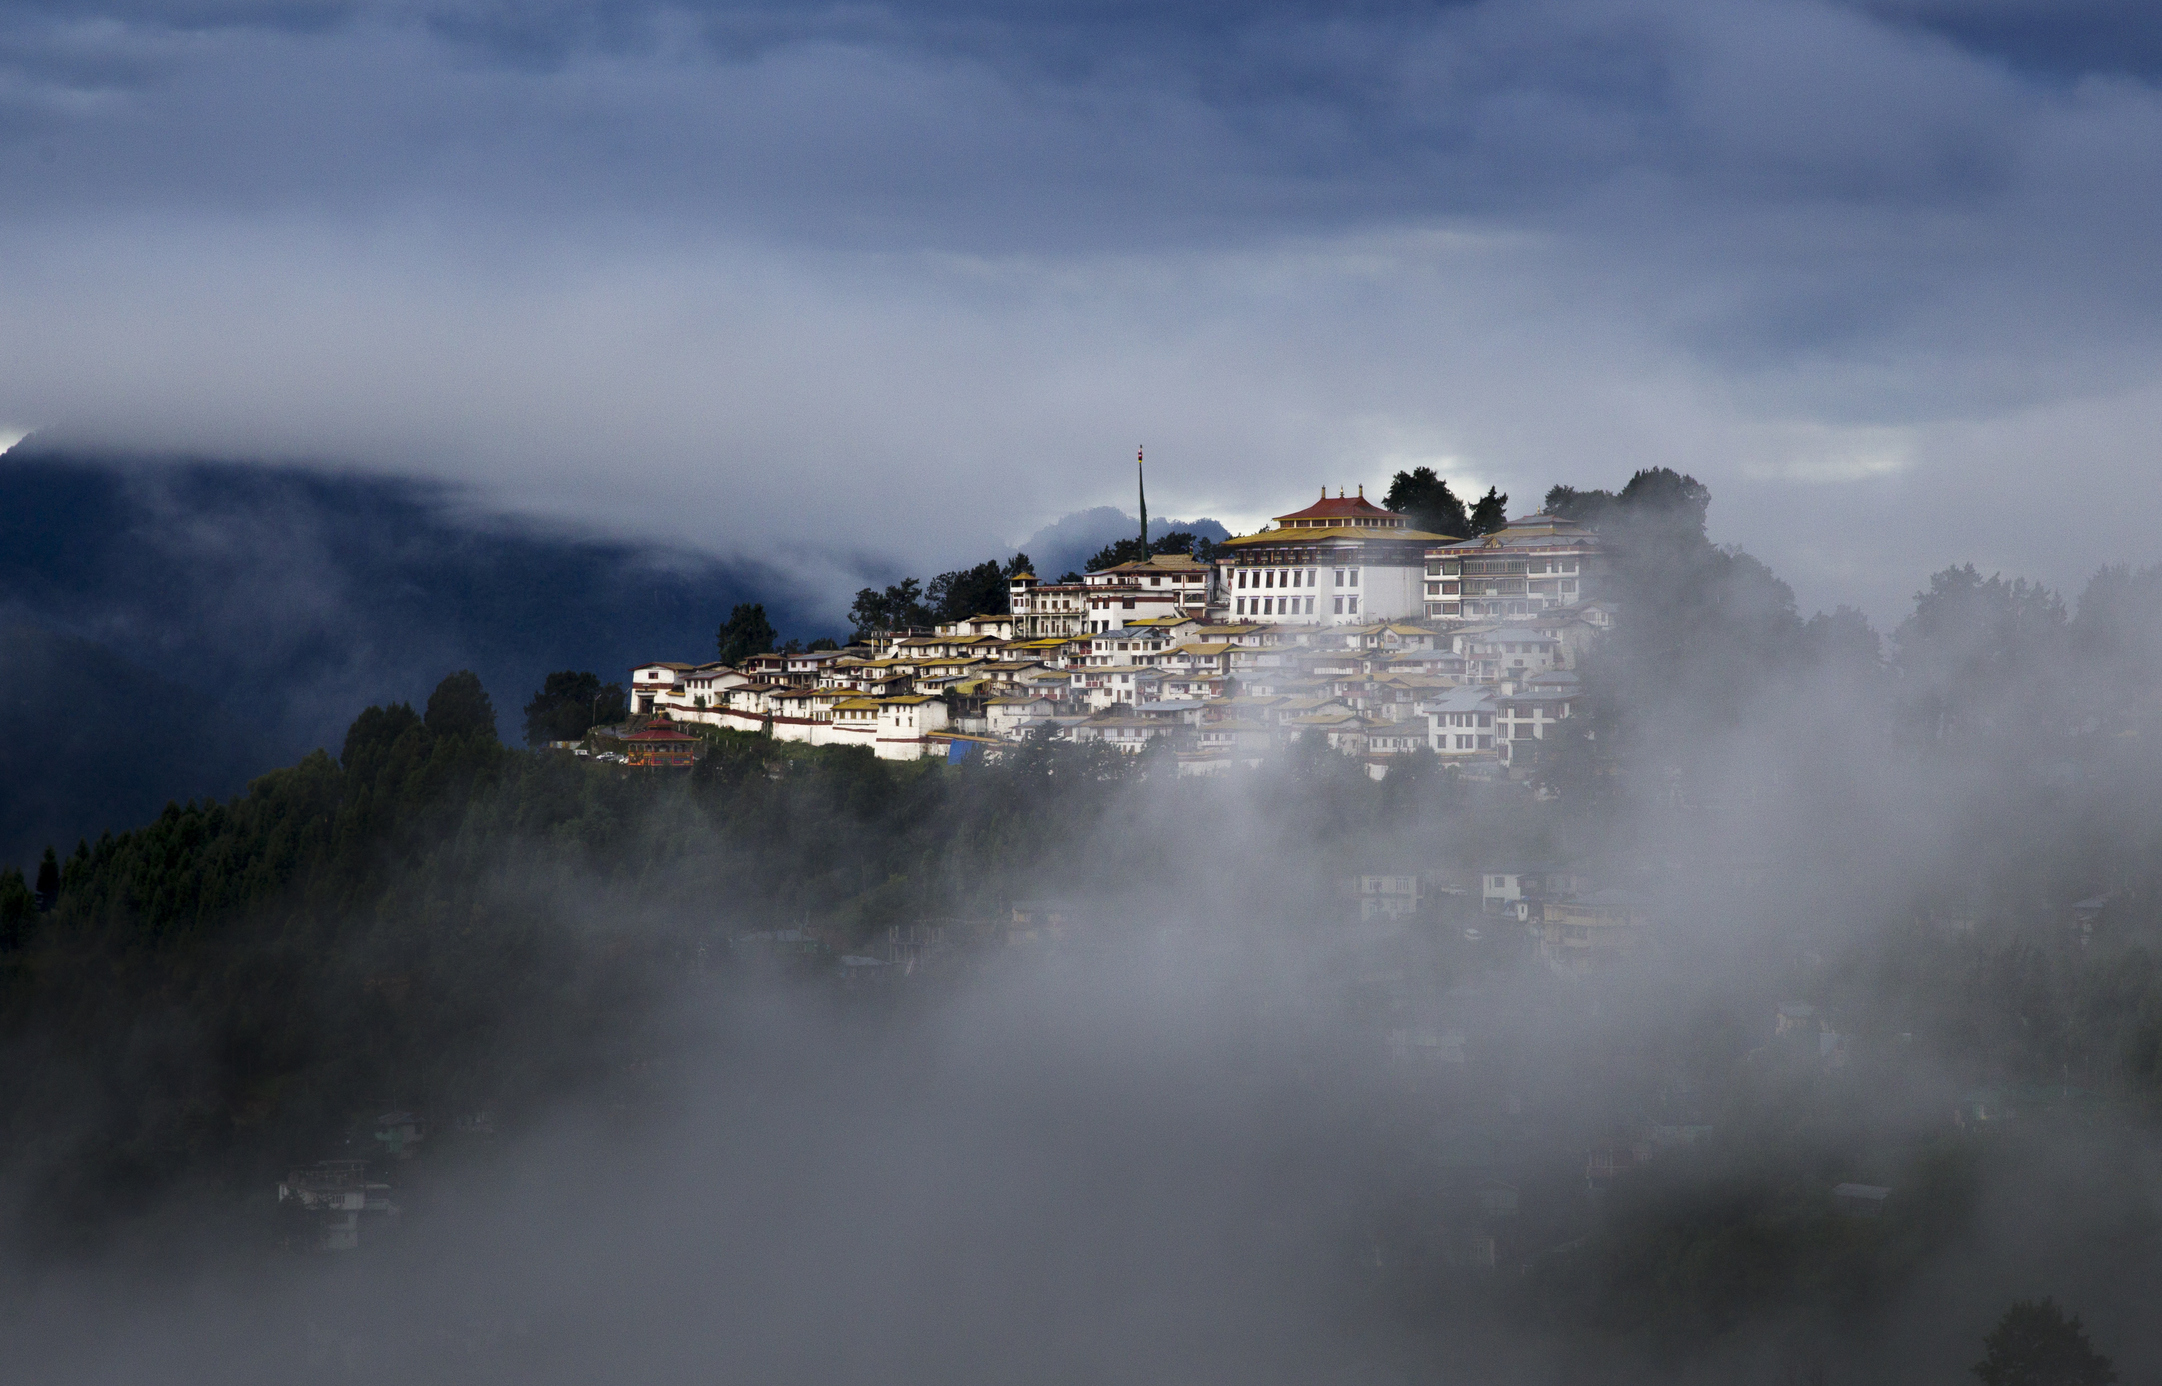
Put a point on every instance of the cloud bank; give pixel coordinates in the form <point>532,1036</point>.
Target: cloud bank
<point>806,284</point>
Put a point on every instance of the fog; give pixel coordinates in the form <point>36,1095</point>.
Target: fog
<point>1216,1128</point>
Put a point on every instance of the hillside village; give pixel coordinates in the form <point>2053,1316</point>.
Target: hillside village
<point>1339,622</point>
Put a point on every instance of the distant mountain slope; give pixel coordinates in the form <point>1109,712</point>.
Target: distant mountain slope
<point>142,598</point>
<point>89,741</point>
<point>1069,542</point>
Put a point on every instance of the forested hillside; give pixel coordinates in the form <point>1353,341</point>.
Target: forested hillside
<point>1944,848</point>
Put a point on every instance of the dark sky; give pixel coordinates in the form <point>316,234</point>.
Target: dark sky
<point>801,283</point>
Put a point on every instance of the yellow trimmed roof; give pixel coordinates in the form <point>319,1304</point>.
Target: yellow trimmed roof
<point>1159,563</point>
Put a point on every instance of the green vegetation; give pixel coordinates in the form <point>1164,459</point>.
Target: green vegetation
<point>1132,550</point>
<point>1428,501</point>
<point>571,703</point>
<point>951,596</point>
<point>432,919</point>
<point>746,632</point>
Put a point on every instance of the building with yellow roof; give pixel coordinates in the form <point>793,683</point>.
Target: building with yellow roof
<point>1341,561</point>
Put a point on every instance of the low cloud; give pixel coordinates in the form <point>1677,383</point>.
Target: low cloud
<point>809,285</point>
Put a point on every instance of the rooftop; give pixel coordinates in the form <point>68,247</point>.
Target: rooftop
<point>1352,510</point>
<point>1161,563</point>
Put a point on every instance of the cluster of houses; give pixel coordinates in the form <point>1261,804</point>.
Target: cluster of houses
<point>1338,623</point>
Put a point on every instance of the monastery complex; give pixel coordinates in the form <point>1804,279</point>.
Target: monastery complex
<point>1339,622</point>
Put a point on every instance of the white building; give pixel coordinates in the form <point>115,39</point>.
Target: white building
<point>1005,717</point>
<point>1045,610</point>
<point>657,684</point>
<point>1508,653</point>
<point>1531,565</point>
<point>905,725</point>
<point>1532,710</point>
<point>1344,561</point>
<point>1187,580</point>
<point>1460,723</point>
<point>1384,897</point>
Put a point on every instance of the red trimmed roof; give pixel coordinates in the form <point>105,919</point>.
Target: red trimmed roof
<point>658,731</point>
<point>1348,508</point>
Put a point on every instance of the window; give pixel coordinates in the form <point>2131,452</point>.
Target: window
<point>1351,605</point>
<point>1309,606</point>
<point>1486,743</point>
<point>1354,577</point>
<point>1242,580</point>
<point>1339,577</point>
<point>1339,606</point>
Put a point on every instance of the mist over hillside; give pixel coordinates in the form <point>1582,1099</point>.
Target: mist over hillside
<point>806,1064</point>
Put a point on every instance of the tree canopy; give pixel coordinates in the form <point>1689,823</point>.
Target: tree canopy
<point>746,632</point>
<point>951,596</point>
<point>1491,513</point>
<point>460,707</point>
<point>966,592</point>
<point>2034,1344</point>
<point>570,703</point>
<point>1428,502</point>
<point>1177,541</point>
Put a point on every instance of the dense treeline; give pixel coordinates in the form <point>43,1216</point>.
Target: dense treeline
<point>433,919</point>
<point>1945,841</point>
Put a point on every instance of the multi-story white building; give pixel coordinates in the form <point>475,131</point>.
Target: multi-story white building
<point>1163,585</point>
<point>1189,582</point>
<point>1508,652</point>
<point>1461,723</point>
<point>1530,565</point>
<point>1046,610</point>
<point>1341,561</point>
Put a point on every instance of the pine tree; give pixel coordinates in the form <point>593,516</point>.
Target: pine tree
<point>746,632</point>
<point>460,707</point>
<point>2034,1344</point>
<point>48,886</point>
<point>1491,513</point>
<point>569,704</point>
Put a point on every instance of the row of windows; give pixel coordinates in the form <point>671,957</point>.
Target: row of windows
<point>1293,606</point>
<point>1467,743</point>
<point>1510,567</point>
<point>1295,577</point>
<point>1449,589</point>
<point>1485,608</point>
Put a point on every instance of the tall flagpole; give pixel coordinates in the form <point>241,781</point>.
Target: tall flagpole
<point>1141,480</point>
